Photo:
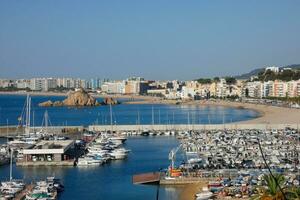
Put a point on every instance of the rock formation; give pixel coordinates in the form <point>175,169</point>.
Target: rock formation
<point>79,98</point>
<point>76,98</point>
<point>109,101</point>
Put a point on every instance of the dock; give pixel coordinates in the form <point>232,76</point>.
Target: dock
<point>146,178</point>
<point>158,178</point>
<point>185,180</point>
<point>154,127</point>
<point>45,163</point>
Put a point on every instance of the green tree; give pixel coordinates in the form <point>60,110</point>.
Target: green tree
<point>204,80</point>
<point>230,80</point>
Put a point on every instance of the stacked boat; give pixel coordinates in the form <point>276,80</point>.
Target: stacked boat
<point>10,188</point>
<point>46,190</point>
<point>104,148</point>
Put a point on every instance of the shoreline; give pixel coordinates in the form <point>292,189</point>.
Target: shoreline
<point>267,114</point>
<point>117,96</point>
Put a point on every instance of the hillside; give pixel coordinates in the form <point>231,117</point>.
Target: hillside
<point>255,72</point>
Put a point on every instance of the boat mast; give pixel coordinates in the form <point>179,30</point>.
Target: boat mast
<point>46,120</point>
<point>7,131</point>
<point>152,116</point>
<point>139,120</point>
<point>33,121</point>
<point>111,119</point>
<point>188,117</point>
<point>159,116</point>
<point>10,169</point>
<point>27,124</point>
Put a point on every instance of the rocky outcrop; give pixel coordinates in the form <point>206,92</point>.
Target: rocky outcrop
<point>109,101</point>
<point>46,103</point>
<point>79,98</point>
<point>76,98</point>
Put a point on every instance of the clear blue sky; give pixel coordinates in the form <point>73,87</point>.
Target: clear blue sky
<point>154,39</point>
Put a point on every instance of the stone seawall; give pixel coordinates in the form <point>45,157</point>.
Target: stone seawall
<point>163,127</point>
<point>184,127</point>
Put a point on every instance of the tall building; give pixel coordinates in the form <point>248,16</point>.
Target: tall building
<point>253,89</point>
<point>268,89</point>
<point>280,89</point>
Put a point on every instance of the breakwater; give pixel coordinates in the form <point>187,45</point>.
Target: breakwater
<point>162,127</point>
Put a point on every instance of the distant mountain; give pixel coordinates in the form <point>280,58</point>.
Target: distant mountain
<point>249,74</point>
<point>256,71</point>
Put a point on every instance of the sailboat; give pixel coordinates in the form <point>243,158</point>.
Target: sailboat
<point>152,132</point>
<point>28,137</point>
<point>10,188</point>
<point>115,138</point>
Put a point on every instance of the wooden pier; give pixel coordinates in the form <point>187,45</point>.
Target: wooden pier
<point>185,180</point>
<point>147,178</point>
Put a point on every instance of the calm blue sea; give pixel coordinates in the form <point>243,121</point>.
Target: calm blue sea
<point>11,107</point>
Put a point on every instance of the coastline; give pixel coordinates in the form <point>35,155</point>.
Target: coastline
<point>116,96</point>
<point>267,114</point>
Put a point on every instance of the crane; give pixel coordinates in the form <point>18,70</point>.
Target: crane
<point>172,155</point>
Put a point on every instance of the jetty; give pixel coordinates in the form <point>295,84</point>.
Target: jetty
<point>153,127</point>
<point>146,178</point>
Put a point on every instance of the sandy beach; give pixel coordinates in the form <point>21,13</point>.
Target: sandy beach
<point>267,114</point>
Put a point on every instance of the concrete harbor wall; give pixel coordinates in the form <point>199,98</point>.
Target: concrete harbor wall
<point>184,127</point>
<point>162,127</point>
<point>14,130</point>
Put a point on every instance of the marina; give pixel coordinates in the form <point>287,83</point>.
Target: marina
<point>226,159</point>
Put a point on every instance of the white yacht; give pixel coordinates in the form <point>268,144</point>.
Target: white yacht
<point>86,161</point>
<point>204,195</point>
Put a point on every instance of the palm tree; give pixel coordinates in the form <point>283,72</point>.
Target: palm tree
<point>273,191</point>
<point>294,193</point>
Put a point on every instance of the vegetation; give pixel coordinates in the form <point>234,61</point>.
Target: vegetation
<point>216,79</point>
<point>60,89</point>
<point>204,80</point>
<point>230,80</point>
<point>274,190</point>
<point>289,99</point>
<point>208,80</point>
<point>286,75</point>
<point>13,89</point>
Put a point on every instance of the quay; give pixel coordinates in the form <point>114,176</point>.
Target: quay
<point>157,127</point>
<point>158,178</point>
<point>191,127</point>
<point>186,180</point>
<point>146,178</point>
<point>14,130</point>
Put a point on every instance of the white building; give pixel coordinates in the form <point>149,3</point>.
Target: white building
<point>117,87</point>
<point>273,69</point>
<point>253,89</point>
